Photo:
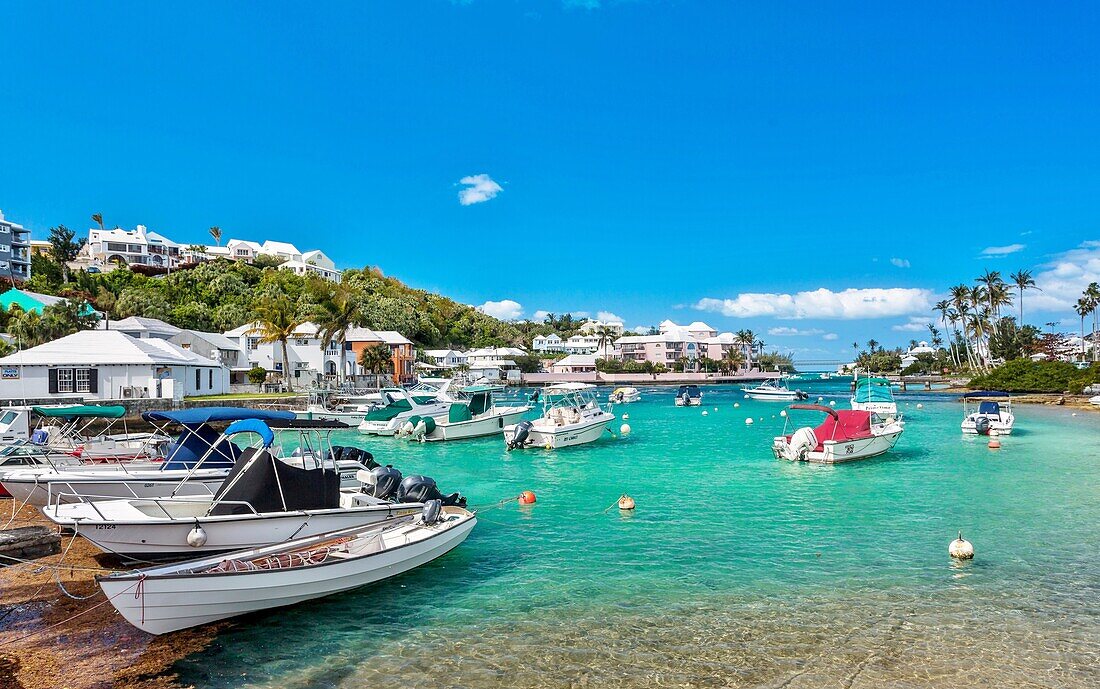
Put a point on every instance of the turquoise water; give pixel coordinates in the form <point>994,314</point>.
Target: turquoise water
<point>736,570</point>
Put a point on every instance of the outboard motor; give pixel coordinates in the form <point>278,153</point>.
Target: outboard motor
<point>981,425</point>
<point>367,460</point>
<point>350,454</point>
<point>432,511</point>
<point>383,482</point>
<point>523,431</point>
<point>417,488</point>
<point>686,398</point>
<point>534,397</point>
<point>801,395</point>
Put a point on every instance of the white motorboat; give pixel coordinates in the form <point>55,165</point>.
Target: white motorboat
<point>775,390</point>
<point>474,413</point>
<point>874,394</point>
<point>994,413</point>
<point>689,396</point>
<point>399,405</point>
<point>1095,400</point>
<point>164,599</point>
<point>845,436</point>
<point>624,395</point>
<point>263,500</point>
<point>352,410</point>
<point>178,475</point>
<point>571,415</point>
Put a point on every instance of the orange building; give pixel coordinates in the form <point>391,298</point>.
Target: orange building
<point>401,350</point>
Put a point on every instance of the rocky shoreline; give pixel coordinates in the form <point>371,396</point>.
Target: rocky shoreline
<point>49,640</point>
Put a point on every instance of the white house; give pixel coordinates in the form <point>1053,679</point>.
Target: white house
<point>138,246</point>
<point>699,330</point>
<point>590,327</point>
<point>301,263</point>
<point>575,363</point>
<point>484,355</point>
<point>106,365</point>
<point>307,359</point>
<point>910,357</point>
<point>548,343</point>
<point>446,358</point>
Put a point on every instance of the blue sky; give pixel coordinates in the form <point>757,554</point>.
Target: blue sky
<point>754,165</point>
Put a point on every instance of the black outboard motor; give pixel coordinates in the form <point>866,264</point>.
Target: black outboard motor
<point>350,454</point>
<point>686,398</point>
<point>981,425</point>
<point>534,397</point>
<point>801,395</point>
<point>432,511</point>
<point>422,489</point>
<point>368,460</point>
<point>385,481</point>
<point>523,431</point>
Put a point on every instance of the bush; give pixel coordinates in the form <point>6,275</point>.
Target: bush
<point>1024,375</point>
<point>257,375</point>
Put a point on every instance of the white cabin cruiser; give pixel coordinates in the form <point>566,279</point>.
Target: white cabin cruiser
<point>399,405</point>
<point>994,413</point>
<point>474,413</point>
<point>776,390</point>
<point>846,435</point>
<point>164,599</point>
<point>624,395</point>
<point>689,396</point>
<point>263,500</point>
<point>571,415</point>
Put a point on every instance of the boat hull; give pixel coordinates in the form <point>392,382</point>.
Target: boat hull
<point>162,604</point>
<point>834,452</point>
<point>390,427</point>
<point>552,438</point>
<point>164,537</point>
<point>40,493</point>
<point>1003,427</point>
<point>773,396</point>
<point>476,428</point>
<point>692,402</point>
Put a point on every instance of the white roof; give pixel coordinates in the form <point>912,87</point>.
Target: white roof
<point>392,337</point>
<point>103,347</point>
<point>576,360</point>
<point>157,238</point>
<point>218,340</point>
<point>674,335</point>
<point>139,324</point>
<point>307,329</point>
<point>441,353</point>
<point>281,248</point>
<point>362,335</point>
<point>255,246</point>
<point>552,337</point>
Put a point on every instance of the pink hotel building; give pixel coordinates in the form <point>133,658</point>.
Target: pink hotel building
<point>675,342</point>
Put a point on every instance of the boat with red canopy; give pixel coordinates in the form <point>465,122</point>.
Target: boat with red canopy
<point>845,435</point>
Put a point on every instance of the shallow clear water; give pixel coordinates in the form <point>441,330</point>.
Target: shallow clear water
<point>736,570</point>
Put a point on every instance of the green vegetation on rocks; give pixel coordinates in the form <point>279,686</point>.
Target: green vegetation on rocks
<point>1024,375</point>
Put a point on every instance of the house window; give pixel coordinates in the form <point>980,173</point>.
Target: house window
<point>279,367</point>
<point>211,380</point>
<point>83,380</point>
<point>302,342</point>
<point>253,343</point>
<point>112,246</point>
<point>198,379</point>
<point>65,380</point>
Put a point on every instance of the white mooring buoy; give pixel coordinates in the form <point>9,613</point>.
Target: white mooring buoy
<point>624,429</point>
<point>736,405</point>
<point>748,421</point>
<point>704,412</point>
<point>626,416</point>
<point>961,549</point>
<point>783,413</point>
<point>920,406</point>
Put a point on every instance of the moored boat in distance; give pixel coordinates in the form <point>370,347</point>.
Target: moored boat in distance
<point>571,415</point>
<point>168,598</point>
<point>994,413</point>
<point>624,395</point>
<point>689,396</point>
<point>398,406</point>
<point>846,435</point>
<point>776,390</point>
<point>474,413</point>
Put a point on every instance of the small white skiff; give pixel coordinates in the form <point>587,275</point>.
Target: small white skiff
<point>570,416</point>
<point>164,599</point>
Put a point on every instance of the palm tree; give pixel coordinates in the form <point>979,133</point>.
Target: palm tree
<point>871,344</point>
<point>1092,293</point>
<point>216,233</point>
<point>733,360</point>
<point>1083,308</point>
<point>605,335</point>
<point>746,339</point>
<point>1023,281</point>
<point>277,318</point>
<point>97,218</point>
<point>340,309</point>
<point>376,359</point>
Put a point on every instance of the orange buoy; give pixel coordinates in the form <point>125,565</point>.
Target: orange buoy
<point>626,502</point>
<point>994,444</point>
<point>527,498</point>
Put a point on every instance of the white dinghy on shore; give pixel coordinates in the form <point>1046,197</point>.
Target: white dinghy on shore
<point>165,599</point>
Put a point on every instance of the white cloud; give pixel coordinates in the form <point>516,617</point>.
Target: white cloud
<point>1003,250</point>
<point>541,314</point>
<point>848,304</point>
<point>900,262</point>
<point>1063,279</point>
<point>480,188</point>
<point>784,331</point>
<point>505,309</point>
<point>608,317</point>
<point>640,329</point>
<point>829,336</point>
<point>915,324</point>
